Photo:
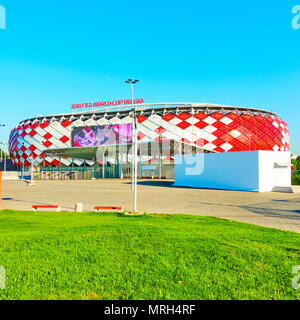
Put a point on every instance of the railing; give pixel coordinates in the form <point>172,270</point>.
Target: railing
<point>78,173</point>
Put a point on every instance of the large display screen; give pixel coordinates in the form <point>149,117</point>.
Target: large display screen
<point>102,135</point>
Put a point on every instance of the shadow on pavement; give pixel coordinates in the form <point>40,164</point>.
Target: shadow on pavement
<point>155,183</point>
<point>31,203</point>
<point>264,209</point>
<point>169,184</point>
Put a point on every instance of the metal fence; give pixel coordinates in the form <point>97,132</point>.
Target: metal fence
<point>80,173</point>
<point>165,171</point>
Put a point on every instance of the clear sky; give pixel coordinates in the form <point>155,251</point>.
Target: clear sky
<point>55,53</point>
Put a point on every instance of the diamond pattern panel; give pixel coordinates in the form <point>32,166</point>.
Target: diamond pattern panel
<point>216,132</point>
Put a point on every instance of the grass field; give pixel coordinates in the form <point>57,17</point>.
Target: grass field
<point>109,256</point>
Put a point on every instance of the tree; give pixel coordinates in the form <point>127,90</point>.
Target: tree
<point>296,171</point>
<point>4,154</point>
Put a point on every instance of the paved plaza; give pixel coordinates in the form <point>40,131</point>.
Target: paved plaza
<point>277,210</point>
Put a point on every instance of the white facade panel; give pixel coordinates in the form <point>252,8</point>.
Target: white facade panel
<point>258,171</point>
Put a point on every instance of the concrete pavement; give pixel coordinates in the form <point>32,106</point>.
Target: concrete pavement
<point>277,210</point>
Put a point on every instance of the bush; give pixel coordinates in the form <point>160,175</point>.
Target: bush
<point>296,163</point>
<point>296,179</point>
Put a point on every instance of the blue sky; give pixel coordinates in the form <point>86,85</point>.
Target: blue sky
<point>55,53</point>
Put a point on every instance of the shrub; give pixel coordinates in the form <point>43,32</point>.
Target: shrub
<point>296,179</point>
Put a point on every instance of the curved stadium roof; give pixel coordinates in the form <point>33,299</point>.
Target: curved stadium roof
<point>149,108</point>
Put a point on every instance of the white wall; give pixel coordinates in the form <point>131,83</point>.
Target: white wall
<point>246,171</point>
<point>274,170</point>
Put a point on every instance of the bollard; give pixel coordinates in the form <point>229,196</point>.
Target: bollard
<point>78,207</point>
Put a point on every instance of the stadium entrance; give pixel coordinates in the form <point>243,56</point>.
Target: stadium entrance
<point>155,161</point>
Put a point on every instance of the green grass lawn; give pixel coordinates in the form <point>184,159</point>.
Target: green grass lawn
<point>109,256</point>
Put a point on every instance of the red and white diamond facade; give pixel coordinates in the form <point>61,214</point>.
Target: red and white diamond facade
<point>213,127</point>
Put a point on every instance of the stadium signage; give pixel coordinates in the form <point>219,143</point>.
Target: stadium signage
<point>106,103</point>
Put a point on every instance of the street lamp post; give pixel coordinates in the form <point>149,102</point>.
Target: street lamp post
<point>31,178</point>
<point>134,148</point>
<point>31,169</point>
<point>93,170</point>
<point>4,163</point>
<point>135,163</point>
<point>132,82</point>
<point>2,125</point>
<point>134,159</point>
<point>23,166</point>
<point>4,146</point>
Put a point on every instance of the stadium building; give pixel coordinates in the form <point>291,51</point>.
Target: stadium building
<point>48,141</point>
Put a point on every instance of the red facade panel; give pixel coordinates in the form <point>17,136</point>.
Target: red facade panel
<point>221,132</point>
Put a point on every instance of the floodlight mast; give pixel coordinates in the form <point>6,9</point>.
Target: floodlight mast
<point>131,82</point>
<point>134,148</point>
<point>135,161</point>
